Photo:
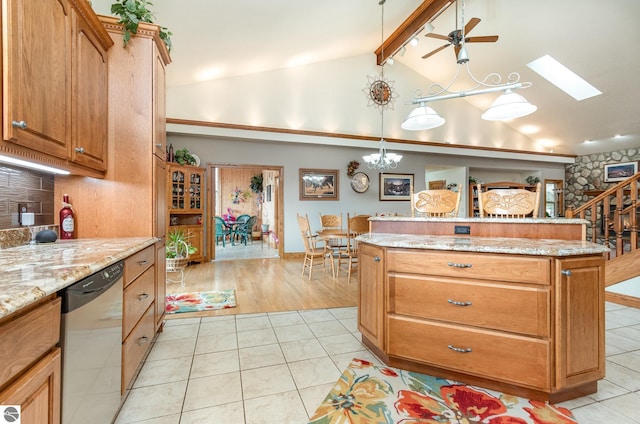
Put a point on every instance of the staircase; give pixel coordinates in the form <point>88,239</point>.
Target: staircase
<point>613,216</point>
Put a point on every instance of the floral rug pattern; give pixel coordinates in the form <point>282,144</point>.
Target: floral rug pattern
<point>201,301</point>
<point>369,394</point>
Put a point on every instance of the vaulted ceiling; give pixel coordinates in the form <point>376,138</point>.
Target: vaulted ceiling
<point>597,39</point>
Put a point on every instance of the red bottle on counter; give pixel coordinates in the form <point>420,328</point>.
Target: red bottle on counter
<point>67,222</point>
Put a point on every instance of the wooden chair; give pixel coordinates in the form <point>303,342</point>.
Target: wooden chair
<point>332,223</point>
<point>435,203</point>
<point>509,202</point>
<point>348,255</point>
<point>312,251</point>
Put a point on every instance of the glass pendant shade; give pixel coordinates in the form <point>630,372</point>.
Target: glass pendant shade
<point>422,118</point>
<point>508,106</point>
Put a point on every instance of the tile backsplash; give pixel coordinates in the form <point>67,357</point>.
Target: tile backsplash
<point>26,188</point>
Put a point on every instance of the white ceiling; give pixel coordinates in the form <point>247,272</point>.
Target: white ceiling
<point>597,39</point>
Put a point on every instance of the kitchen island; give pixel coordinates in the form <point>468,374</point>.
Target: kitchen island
<point>520,315</point>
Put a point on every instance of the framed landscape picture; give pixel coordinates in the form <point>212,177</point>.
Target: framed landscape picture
<point>396,186</point>
<point>318,184</point>
<point>619,171</point>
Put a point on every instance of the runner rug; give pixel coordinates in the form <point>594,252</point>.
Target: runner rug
<point>366,393</point>
<point>201,301</point>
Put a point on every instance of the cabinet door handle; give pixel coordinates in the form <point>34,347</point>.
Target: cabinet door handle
<point>159,145</point>
<point>376,258</point>
<point>459,349</point>
<point>459,265</point>
<point>566,272</point>
<point>19,124</point>
<point>142,296</point>
<point>142,340</point>
<point>453,302</point>
<point>79,149</point>
<point>144,262</point>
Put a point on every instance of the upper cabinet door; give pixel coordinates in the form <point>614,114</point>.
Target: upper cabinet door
<point>36,81</point>
<point>90,99</point>
<point>159,100</point>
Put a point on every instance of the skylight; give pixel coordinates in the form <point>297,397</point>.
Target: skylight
<point>563,78</point>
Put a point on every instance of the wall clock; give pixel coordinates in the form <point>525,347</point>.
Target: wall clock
<point>360,182</point>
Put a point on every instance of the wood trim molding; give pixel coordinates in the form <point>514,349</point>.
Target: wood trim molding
<point>146,30</point>
<point>240,127</point>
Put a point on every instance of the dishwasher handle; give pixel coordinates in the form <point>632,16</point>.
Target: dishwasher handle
<point>84,291</point>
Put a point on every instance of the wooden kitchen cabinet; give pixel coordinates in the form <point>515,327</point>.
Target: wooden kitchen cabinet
<point>55,114</point>
<point>31,362</point>
<point>371,277</point>
<point>185,199</point>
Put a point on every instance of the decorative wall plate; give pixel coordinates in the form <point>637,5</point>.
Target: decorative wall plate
<point>360,182</point>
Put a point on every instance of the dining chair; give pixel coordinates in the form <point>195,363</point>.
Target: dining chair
<point>509,202</point>
<point>222,231</point>
<point>314,250</point>
<point>235,230</point>
<point>348,255</point>
<point>244,230</point>
<point>435,203</point>
<point>332,223</point>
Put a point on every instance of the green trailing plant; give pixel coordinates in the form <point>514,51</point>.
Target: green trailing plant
<point>256,183</point>
<point>183,157</point>
<point>531,180</point>
<point>178,245</point>
<point>131,13</point>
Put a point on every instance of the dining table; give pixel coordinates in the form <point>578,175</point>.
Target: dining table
<point>334,240</point>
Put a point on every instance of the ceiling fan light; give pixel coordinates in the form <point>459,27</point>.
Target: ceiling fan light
<point>428,28</point>
<point>463,55</point>
<point>509,105</point>
<point>422,118</point>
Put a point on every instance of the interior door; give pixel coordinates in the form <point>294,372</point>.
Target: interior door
<point>553,198</point>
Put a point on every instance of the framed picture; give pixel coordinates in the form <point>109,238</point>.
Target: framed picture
<point>318,184</point>
<point>437,184</point>
<point>619,171</point>
<point>269,193</point>
<point>396,186</point>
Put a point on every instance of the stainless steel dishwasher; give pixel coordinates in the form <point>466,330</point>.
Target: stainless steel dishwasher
<point>91,341</point>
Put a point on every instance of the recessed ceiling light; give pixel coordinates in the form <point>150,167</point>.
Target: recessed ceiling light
<point>617,136</point>
<point>563,78</point>
<point>588,141</point>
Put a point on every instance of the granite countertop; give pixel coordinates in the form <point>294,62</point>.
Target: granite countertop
<point>576,221</point>
<point>518,246</point>
<point>33,271</point>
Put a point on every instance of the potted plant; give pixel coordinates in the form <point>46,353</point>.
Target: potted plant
<point>256,183</point>
<point>131,13</point>
<point>178,249</point>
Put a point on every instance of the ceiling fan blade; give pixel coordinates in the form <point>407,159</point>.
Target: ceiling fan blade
<point>471,25</point>
<point>435,51</point>
<point>482,39</point>
<point>456,50</point>
<point>438,36</point>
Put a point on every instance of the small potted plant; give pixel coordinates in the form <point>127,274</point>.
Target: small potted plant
<point>131,13</point>
<point>178,250</point>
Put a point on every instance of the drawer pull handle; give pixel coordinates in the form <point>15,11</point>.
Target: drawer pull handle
<point>142,340</point>
<point>566,272</point>
<point>143,262</point>
<point>453,302</point>
<point>376,259</point>
<point>143,296</point>
<point>159,145</point>
<point>459,265</point>
<point>19,124</point>
<point>79,149</point>
<point>459,349</point>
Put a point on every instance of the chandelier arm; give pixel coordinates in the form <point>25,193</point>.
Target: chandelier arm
<point>514,86</point>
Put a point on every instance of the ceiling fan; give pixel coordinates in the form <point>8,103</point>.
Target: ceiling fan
<point>455,37</point>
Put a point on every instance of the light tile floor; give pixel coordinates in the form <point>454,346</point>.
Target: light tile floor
<point>278,367</point>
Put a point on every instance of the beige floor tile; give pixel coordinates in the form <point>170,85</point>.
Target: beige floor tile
<point>255,323</point>
<point>630,360</point>
<point>168,419</point>
<point>172,349</point>
<point>266,381</point>
<point>344,343</point>
<point>344,313</point>
<point>293,332</point>
<point>285,318</point>
<point>327,328</point>
<point>313,372</point>
<point>209,328</point>
<point>213,390</point>
<point>298,350</point>
<point>260,337</point>
<point>316,315</point>
<point>218,318</point>
<point>312,397</point>
<point>216,343</point>
<point>164,371</point>
<point>343,360</point>
<point>626,405</point>
<point>230,413</point>
<point>597,413</point>
<point>260,356</point>
<point>214,363</point>
<point>174,320</point>
<point>179,332</point>
<point>152,402</point>
<point>622,376</point>
<point>350,324</point>
<point>280,408</point>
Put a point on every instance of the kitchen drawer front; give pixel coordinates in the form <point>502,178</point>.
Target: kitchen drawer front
<point>136,345</point>
<point>521,309</point>
<point>512,268</point>
<point>27,338</point>
<point>138,263</point>
<point>137,298</point>
<point>498,356</point>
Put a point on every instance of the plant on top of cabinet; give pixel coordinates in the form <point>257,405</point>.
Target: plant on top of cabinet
<point>131,13</point>
<point>183,157</point>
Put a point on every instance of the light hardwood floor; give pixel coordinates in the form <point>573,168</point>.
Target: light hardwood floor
<point>267,285</point>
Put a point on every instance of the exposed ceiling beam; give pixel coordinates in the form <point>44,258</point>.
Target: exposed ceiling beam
<point>425,12</point>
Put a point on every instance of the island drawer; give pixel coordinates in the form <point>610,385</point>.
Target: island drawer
<point>27,338</point>
<point>512,268</point>
<point>521,309</point>
<point>138,263</point>
<point>508,358</point>
<point>136,345</point>
<point>136,299</point>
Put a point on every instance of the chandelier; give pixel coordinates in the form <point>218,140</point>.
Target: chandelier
<point>507,106</point>
<point>381,94</point>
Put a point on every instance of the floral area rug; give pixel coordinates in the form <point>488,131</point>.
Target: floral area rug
<point>201,301</point>
<point>369,394</point>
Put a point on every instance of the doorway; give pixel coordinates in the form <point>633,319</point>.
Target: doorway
<point>553,198</point>
<point>229,193</point>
